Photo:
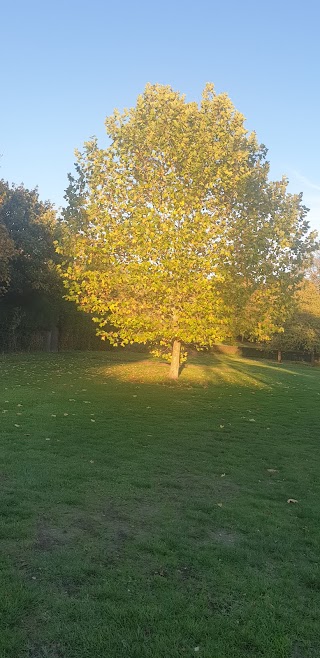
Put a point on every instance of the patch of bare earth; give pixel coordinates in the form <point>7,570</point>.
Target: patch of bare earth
<point>112,524</point>
<point>296,651</point>
<point>224,537</point>
<point>49,537</point>
<point>54,650</point>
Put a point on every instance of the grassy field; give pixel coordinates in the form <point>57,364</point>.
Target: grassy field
<point>148,519</point>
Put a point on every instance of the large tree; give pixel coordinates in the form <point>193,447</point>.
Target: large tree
<point>174,228</point>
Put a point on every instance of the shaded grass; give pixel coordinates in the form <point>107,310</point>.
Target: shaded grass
<point>141,518</point>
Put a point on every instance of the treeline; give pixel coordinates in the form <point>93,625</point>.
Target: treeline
<point>33,312</point>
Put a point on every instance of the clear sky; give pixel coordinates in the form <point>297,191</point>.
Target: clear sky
<point>66,64</point>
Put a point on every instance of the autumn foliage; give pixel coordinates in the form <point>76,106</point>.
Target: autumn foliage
<point>173,233</point>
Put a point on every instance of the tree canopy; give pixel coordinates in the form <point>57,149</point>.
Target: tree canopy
<point>173,232</point>
<point>29,224</point>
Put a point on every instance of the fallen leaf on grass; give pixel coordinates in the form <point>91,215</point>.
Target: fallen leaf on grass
<point>292,500</point>
<point>272,470</point>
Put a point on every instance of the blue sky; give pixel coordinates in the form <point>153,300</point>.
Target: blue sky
<point>66,64</point>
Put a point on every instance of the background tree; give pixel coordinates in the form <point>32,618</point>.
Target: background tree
<point>33,311</point>
<point>172,230</point>
<point>31,297</point>
<point>313,273</point>
<point>6,244</point>
<point>301,331</point>
<point>6,253</point>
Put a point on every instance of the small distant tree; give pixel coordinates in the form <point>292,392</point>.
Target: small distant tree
<point>174,229</point>
<point>301,331</point>
<point>313,273</point>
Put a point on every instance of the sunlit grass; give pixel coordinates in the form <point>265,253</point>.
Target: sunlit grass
<point>143,518</point>
<point>197,371</point>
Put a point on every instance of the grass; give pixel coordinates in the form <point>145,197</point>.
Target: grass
<point>148,519</point>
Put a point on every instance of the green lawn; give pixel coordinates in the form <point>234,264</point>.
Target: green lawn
<point>148,519</point>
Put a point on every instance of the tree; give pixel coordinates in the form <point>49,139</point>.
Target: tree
<point>33,311</point>
<point>33,287</point>
<point>6,253</point>
<point>30,225</point>
<point>173,229</point>
<point>6,245</point>
<point>313,273</point>
<point>301,331</point>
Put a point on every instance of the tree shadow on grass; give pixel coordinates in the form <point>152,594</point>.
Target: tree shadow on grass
<point>245,372</point>
<point>224,370</point>
<point>131,367</point>
<point>203,371</point>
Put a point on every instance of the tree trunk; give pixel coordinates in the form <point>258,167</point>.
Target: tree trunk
<point>313,357</point>
<point>175,360</point>
<point>47,341</point>
<point>279,356</point>
<point>51,340</point>
<point>54,345</point>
